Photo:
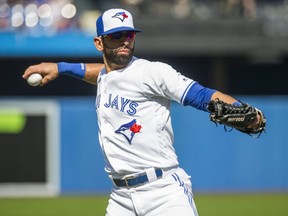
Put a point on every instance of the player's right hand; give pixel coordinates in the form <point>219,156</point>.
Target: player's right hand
<point>48,70</point>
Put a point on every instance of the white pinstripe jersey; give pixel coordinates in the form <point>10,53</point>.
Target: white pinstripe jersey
<point>133,109</point>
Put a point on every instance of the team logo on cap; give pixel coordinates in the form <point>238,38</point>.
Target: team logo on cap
<point>129,129</point>
<point>121,16</point>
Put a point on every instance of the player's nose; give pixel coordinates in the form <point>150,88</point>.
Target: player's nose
<point>125,42</point>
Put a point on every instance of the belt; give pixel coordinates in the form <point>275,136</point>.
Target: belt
<point>136,180</point>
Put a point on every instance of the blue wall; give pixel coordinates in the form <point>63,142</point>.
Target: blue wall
<point>218,161</point>
<point>71,44</point>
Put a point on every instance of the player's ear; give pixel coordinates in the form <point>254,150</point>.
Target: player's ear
<point>98,43</point>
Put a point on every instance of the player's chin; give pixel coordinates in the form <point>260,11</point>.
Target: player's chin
<point>123,59</point>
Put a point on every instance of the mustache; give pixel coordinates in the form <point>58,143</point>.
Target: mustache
<point>125,47</point>
<point>119,48</point>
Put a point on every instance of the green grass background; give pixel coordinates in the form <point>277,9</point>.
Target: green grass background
<point>208,205</point>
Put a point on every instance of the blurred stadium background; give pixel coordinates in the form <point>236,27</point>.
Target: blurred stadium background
<point>237,46</point>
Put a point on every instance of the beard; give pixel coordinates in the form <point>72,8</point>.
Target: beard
<point>114,59</point>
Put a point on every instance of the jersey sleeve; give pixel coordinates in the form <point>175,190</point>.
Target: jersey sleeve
<point>161,79</point>
<point>198,96</point>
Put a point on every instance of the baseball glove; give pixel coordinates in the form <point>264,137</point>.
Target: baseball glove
<point>239,117</point>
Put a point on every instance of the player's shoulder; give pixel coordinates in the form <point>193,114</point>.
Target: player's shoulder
<point>152,65</point>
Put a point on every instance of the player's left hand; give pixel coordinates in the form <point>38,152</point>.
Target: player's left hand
<point>244,118</point>
<point>48,70</point>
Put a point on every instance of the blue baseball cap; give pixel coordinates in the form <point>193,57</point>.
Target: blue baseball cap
<point>115,20</point>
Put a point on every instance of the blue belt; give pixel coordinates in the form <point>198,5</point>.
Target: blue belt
<point>136,181</point>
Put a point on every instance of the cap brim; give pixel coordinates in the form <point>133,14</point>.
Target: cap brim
<point>120,29</point>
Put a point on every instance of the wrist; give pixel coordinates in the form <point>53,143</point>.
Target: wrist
<point>76,70</point>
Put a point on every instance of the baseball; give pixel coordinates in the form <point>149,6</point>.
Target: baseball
<point>34,79</point>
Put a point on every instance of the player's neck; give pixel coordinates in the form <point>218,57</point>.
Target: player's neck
<point>110,66</point>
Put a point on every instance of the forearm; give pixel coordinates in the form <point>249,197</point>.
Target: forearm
<point>92,72</point>
<point>87,72</point>
<point>223,97</point>
<point>230,100</point>
<point>50,71</point>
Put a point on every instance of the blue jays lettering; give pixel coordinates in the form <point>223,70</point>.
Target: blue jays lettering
<point>119,103</point>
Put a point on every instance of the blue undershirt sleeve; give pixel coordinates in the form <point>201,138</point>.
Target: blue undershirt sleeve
<point>198,96</point>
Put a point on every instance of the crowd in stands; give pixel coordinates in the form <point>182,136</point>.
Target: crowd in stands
<point>51,16</point>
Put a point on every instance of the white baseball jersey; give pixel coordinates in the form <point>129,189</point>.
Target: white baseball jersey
<point>132,105</point>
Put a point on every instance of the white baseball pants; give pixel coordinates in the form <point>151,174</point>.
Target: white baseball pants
<point>169,196</point>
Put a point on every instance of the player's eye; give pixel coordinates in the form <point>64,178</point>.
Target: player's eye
<point>115,36</point>
<point>119,35</point>
<point>130,35</point>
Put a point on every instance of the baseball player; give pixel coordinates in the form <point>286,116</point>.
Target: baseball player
<point>135,131</point>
